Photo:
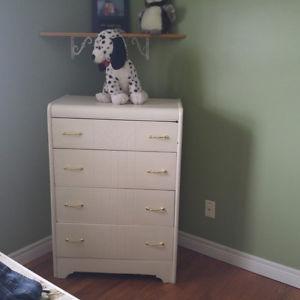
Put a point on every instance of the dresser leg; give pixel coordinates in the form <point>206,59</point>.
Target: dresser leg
<point>167,277</point>
<point>62,272</point>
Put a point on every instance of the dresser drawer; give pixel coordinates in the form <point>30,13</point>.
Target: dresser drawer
<point>114,242</point>
<point>72,133</point>
<point>115,169</point>
<point>114,206</point>
<point>115,135</point>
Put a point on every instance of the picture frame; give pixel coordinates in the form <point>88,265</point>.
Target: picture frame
<point>110,14</point>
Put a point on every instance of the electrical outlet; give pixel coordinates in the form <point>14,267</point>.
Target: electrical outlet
<point>210,209</point>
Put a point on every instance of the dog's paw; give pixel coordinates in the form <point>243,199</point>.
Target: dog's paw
<point>103,98</point>
<point>119,99</point>
<point>139,98</point>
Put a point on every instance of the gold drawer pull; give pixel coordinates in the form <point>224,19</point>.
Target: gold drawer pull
<point>158,210</point>
<point>155,244</point>
<point>72,133</point>
<point>68,240</point>
<point>74,205</point>
<point>162,172</point>
<point>73,169</point>
<point>159,137</point>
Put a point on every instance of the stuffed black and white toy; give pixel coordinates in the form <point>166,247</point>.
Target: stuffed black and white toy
<point>158,17</point>
<point>122,83</point>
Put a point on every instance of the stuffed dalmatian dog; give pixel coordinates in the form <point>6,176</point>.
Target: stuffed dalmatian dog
<point>122,83</point>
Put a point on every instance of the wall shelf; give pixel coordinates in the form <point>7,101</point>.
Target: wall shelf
<point>89,36</point>
<point>169,36</point>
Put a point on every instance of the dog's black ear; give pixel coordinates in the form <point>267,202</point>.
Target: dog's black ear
<point>119,54</point>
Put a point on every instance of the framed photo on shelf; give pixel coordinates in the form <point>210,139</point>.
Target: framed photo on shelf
<point>108,14</point>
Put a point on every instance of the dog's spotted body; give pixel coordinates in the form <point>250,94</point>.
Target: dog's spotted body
<point>122,83</point>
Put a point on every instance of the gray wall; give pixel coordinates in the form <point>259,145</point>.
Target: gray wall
<point>33,71</point>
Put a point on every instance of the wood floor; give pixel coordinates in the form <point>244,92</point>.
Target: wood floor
<point>199,277</point>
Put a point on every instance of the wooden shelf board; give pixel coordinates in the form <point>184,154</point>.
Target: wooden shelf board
<point>169,36</point>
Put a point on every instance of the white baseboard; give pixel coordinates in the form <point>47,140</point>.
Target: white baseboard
<point>234,257</point>
<point>33,251</point>
<point>240,259</point>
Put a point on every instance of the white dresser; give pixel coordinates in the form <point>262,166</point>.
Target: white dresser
<point>115,179</point>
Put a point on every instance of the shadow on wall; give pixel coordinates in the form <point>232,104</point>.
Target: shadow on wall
<point>216,158</point>
<point>180,17</point>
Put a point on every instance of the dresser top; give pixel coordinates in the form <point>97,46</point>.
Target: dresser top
<point>87,107</point>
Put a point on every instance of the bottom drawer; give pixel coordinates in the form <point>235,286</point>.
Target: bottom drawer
<point>114,242</point>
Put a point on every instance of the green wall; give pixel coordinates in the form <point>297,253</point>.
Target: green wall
<point>33,71</point>
<point>238,76</point>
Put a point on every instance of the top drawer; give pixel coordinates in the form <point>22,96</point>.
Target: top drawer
<point>114,135</point>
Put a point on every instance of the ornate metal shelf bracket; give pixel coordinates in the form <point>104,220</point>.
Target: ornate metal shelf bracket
<point>77,49</point>
<point>143,49</point>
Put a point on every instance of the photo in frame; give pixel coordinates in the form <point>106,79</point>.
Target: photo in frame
<point>108,14</point>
